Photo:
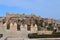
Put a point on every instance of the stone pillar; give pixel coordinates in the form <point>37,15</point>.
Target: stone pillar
<point>25,27</point>
<point>36,29</point>
<point>21,27</point>
<point>15,27</point>
<point>55,24</point>
<point>55,28</point>
<point>33,28</point>
<point>5,26</point>
<point>11,27</point>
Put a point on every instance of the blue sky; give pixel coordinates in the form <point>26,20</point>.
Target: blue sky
<point>43,8</point>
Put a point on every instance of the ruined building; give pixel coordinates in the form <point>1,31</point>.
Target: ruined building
<point>19,22</point>
<point>13,24</point>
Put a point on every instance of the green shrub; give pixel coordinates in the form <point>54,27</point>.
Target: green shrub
<point>38,27</point>
<point>35,35</point>
<point>18,27</point>
<point>8,26</point>
<point>28,28</point>
<point>58,28</point>
<point>50,28</point>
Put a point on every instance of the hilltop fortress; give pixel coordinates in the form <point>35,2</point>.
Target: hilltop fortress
<point>18,22</point>
<point>14,23</point>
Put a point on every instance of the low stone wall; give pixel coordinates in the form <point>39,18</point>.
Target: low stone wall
<point>44,32</point>
<point>33,39</point>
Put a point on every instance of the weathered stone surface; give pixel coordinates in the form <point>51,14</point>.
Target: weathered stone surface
<point>25,20</point>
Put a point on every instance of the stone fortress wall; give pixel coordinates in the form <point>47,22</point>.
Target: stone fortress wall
<point>31,20</point>
<point>30,23</point>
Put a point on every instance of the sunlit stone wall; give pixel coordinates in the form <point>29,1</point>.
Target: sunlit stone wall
<point>13,27</point>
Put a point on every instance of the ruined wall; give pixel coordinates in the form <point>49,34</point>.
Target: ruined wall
<point>25,20</point>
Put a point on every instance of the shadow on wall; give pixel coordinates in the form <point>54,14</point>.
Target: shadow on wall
<point>1,35</point>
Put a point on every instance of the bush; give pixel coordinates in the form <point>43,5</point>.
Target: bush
<point>28,28</point>
<point>35,35</point>
<point>56,33</point>
<point>8,26</point>
<point>18,27</point>
<point>50,28</point>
